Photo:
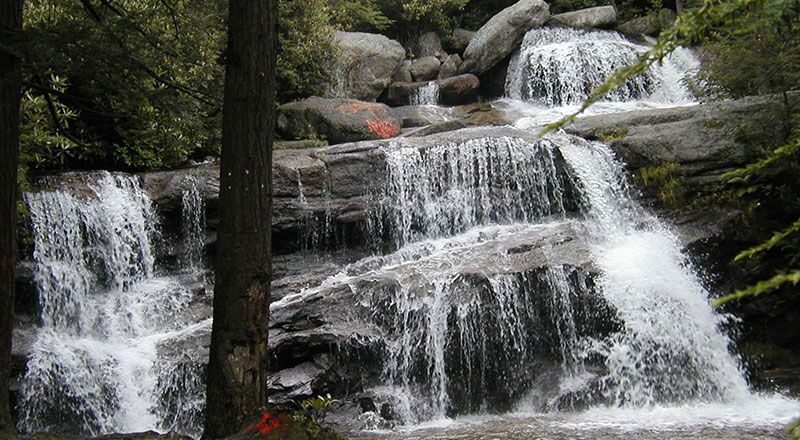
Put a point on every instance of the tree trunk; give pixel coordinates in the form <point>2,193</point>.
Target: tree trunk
<point>10,82</point>
<point>237,381</point>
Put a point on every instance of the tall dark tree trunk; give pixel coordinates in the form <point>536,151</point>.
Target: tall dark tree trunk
<point>237,381</point>
<point>10,82</point>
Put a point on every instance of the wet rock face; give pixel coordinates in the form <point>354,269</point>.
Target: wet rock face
<point>365,65</point>
<point>336,120</point>
<point>502,34</point>
<point>329,339</point>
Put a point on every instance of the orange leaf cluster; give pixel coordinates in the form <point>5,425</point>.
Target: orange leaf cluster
<point>383,128</point>
<point>267,424</point>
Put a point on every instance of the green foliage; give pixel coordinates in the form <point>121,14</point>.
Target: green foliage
<point>358,15</point>
<point>666,181</point>
<point>317,408</point>
<point>478,12</point>
<point>307,48</point>
<point>776,240</point>
<point>758,53</point>
<point>794,430</point>
<point>311,417</point>
<point>412,18</point>
<point>760,287</point>
<point>129,84</point>
<point>137,84</point>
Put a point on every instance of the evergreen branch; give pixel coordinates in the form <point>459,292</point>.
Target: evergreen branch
<point>773,241</point>
<point>776,156</point>
<point>794,430</point>
<point>761,287</point>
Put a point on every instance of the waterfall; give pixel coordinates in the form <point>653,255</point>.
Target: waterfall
<point>451,187</point>
<point>425,95</point>
<point>99,361</point>
<point>527,277</point>
<point>656,293</point>
<point>560,66</point>
<point>193,221</point>
<point>509,275</point>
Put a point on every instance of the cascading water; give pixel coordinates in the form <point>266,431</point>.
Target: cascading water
<point>193,222</point>
<point>538,287</point>
<point>425,95</point>
<point>463,334</point>
<point>100,361</point>
<point>560,66</point>
<point>451,187</point>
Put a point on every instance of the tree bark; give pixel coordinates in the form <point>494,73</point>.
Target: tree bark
<point>237,381</point>
<point>10,83</point>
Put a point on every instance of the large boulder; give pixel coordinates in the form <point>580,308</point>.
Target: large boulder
<point>651,24</point>
<point>502,34</point>
<point>425,69</point>
<point>364,66</point>
<point>597,17</point>
<point>458,90</point>
<point>336,120</point>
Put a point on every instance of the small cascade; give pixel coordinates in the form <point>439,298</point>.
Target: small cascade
<point>448,188</point>
<point>105,312</point>
<point>560,66</point>
<point>425,95</point>
<point>193,223</point>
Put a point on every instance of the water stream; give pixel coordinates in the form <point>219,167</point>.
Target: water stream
<point>425,95</point>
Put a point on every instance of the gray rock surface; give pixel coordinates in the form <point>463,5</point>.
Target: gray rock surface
<point>461,39</point>
<point>502,34</point>
<point>425,68</point>
<point>651,24</point>
<point>336,120</point>
<point>365,65</point>
<point>597,17</point>
<point>700,138</point>
<point>450,66</point>
<point>430,45</point>
<point>403,72</point>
